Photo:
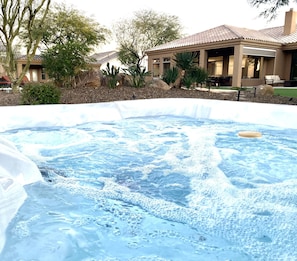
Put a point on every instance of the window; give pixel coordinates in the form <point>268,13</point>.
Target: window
<point>34,74</point>
<point>43,74</point>
<point>166,64</point>
<point>156,67</point>
<point>251,66</point>
<point>196,58</point>
<point>215,66</point>
<point>231,65</point>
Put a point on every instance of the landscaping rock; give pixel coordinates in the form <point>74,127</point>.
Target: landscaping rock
<point>265,90</point>
<point>160,84</point>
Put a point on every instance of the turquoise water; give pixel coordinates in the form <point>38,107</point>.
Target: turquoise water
<point>161,188</point>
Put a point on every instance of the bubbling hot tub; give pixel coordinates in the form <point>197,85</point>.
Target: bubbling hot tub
<point>163,179</point>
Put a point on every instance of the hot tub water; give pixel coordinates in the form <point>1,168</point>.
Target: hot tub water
<point>156,188</point>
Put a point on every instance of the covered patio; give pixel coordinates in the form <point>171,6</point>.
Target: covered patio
<point>235,56</point>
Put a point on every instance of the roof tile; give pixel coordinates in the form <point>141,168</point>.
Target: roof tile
<point>278,34</point>
<point>217,34</point>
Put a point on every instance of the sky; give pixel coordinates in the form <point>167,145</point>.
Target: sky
<point>194,15</point>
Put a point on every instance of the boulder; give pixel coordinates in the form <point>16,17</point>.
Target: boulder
<point>264,90</point>
<point>160,84</point>
<point>90,78</point>
<point>124,79</point>
<point>95,83</point>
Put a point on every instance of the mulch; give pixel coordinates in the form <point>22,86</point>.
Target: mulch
<point>105,94</point>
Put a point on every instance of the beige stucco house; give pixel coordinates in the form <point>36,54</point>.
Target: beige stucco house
<point>236,56</point>
<point>37,72</point>
<point>103,58</point>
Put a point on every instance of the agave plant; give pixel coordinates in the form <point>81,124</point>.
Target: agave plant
<point>112,75</point>
<point>138,75</point>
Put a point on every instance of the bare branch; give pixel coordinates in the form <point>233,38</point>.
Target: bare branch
<point>17,18</point>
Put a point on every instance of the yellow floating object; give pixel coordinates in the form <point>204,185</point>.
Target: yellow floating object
<point>250,134</point>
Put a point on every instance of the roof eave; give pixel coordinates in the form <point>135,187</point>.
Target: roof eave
<point>289,46</point>
<point>215,45</point>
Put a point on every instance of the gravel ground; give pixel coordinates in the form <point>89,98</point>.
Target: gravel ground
<point>105,94</point>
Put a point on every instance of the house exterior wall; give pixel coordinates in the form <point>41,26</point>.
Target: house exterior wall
<point>256,53</point>
<point>268,65</point>
<point>280,64</point>
<point>287,69</point>
<point>35,73</point>
<point>159,60</point>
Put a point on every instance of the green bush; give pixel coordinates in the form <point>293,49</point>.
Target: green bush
<point>170,75</point>
<point>138,75</point>
<point>33,94</point>
<point>199,75</point>
<point>185,61</point>
<point>188,80</point>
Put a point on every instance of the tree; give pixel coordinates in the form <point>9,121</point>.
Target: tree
<point>63,61</point>
<point>190,73</point>
<point>146,30</point>
<point>272,6</point>
<point>17,20</point>
<point>185,61</point>
<point>69,37</point>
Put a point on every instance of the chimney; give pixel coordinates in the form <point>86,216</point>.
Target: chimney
<point>290,22</point>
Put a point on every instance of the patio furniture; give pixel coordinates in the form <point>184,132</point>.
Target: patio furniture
<point>273,80</point>
<point>291,83</point>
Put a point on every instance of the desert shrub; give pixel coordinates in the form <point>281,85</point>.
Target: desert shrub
<point>112,75</point>
<point>33,94</point>
<point>188,80</point>
<point>170,75</point>
<point>198,74</point>
<point>185,61</point>
<point>138,75</point>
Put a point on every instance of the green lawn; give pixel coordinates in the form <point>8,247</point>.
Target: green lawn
<point>282,91</point>
<point>287,92</point>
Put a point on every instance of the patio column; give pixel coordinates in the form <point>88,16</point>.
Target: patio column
<point>237,67</point>
<point>225,65</point>
<point>203,59</point>
<point>279,63</point>
<point>262,74</point>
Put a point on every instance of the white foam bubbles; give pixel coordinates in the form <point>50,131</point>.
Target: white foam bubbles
<point>220,208</point>
<point>16,170</point>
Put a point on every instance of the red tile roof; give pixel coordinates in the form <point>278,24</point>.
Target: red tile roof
<point>37,57</point>
<point>218,34</point>
<point>278,34</point>
<point>105,56</point>
<point>6,79</point>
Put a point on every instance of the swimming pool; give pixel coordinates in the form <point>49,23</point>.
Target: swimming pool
<point>157,199</point>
